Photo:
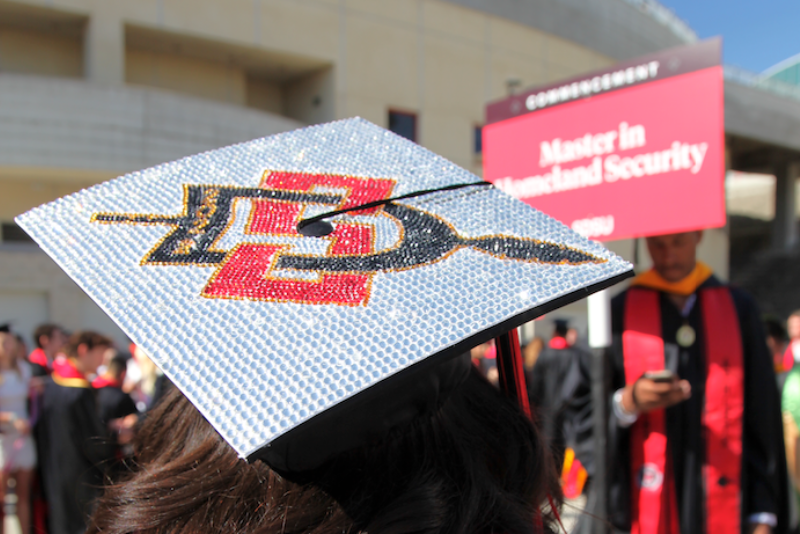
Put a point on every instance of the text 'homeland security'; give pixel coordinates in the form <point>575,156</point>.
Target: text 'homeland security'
<point>605,165</point>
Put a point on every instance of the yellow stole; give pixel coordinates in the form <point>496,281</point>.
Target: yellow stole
<point>688,285</point>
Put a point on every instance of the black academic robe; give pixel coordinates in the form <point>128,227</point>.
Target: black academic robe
<point>163,386</point>
<point>560,395</point>
<point>113,403</point>
<point>74,449</point>
<point>763,460</point>
<point>38,370</point>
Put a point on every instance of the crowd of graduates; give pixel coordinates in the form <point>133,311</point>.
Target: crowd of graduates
<point>79,389</point>
<point>558,379</point>
<point>68,412</point>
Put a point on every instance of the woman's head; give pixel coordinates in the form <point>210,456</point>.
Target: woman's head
<point>474,464</point>
<point>8,350</point>
<point>186,479</point>
<point>87,349</point>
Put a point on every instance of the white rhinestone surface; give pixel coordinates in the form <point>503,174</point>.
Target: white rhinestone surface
<point>257,369</point>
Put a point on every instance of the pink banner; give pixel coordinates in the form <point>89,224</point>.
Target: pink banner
<point>638,161</point>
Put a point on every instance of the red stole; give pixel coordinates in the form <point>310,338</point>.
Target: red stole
<point>788,356</point>
<point>654,507</point>
<point>66,374</point>
<point>40,358</point>
<point>106,382</point>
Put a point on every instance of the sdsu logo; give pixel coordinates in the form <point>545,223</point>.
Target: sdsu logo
<point>353,255</point>
<point>650,477</point>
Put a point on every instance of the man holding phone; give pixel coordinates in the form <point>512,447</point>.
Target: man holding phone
<point>696,430</point>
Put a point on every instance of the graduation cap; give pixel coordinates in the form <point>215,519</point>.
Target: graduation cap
<point>284,282</point>
<point>561,323</point>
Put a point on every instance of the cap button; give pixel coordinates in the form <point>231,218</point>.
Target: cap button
<point>723,481</point>
<point>319,228</point>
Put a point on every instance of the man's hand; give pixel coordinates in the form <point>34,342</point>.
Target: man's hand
<point>645,395</point>
<point>22,426</point>
<point>124,427</point>
<point>759,528</point>
<point>37,385</point>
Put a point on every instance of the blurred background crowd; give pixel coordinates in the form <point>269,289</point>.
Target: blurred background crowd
<point>67,391</point>
<point>40,417</point>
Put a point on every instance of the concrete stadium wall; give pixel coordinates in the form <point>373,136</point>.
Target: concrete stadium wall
<point>318,60</point>
<point>33,289</point>
<point>614,28</point>
<point>47,122</point>
<point>761,115</point>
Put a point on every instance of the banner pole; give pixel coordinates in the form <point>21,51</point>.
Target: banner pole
<point>600,341</point>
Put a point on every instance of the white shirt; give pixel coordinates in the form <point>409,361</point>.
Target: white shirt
<point>14,391</point>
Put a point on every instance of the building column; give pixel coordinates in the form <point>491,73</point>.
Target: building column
<point>784,229</point>
<point>104,44</point>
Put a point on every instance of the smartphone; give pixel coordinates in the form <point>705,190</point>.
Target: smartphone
<point>665,375</point>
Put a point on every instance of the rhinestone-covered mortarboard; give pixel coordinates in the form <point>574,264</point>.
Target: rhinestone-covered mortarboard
<point>201,263</point>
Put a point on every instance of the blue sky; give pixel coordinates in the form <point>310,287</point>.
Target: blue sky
<point>756,33</point>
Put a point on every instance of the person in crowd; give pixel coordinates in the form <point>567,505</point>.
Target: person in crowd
<point>22,349</point>
<point>141,377</point>
<point>50,339</point>
<point>531,352</point>
<point>792,353</point>
<point>474,464</point>
<point>790,405</point>
<point>163,386</point>
<point>572,337</point>
<point>560,393</point>
<point>74,445</point>
<point>777,342</point>
<point>484,356</point>
<point>117,409</point>
<point>113,403</point>
<point>696,433</point>
<point>17,449</point>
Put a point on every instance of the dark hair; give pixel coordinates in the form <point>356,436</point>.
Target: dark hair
<point>44,330</point>
<point>90,339</point>
<point>560,328</point>
<point>775,329</point>
<point>117,365</point>
<point>476,465</point>
<point>186,479</point>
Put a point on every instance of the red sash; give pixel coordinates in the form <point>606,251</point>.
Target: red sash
<point>66,374</point>
<point>40,358</point>
<point>653,504</point>
<point>105,382</point>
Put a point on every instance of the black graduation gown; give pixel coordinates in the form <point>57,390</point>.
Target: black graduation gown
<point>113,403</point>
<point>74,449</point>
<point>38,370</point>
<point>763,459</point>
<point>560,394</point>
<point>163,386</point>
